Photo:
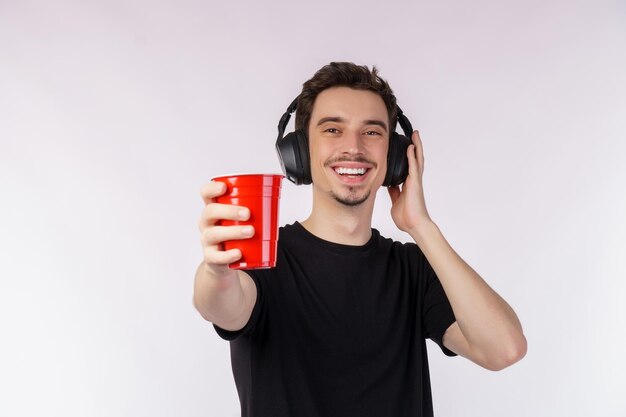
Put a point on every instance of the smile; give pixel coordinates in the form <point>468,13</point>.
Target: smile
<point>350,171</point>
<point>352,174</point>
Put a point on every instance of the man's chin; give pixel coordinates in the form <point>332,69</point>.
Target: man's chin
<point>351,200</point>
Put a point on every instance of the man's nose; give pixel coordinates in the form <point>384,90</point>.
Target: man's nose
<point>353,143</point>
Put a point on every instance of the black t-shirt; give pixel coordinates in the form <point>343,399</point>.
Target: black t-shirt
<point>340,331</point>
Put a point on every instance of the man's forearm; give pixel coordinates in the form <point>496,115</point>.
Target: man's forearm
<point>218,299</point>
<point>487,322</point>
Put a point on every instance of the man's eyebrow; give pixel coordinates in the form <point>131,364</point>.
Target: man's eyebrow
<point>330,119</point>
<point>342,120</point>
<point>377,123</point>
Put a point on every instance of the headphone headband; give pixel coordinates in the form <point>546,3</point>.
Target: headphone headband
<point>284,120</point>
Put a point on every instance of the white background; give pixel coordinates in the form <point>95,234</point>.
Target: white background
<point>113,114</point>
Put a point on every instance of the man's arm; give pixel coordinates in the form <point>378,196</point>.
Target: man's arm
<point>223,296</point>
<point>226,301</point>
<point>487,331</point>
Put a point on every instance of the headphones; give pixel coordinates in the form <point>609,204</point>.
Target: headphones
<point>293,151</point>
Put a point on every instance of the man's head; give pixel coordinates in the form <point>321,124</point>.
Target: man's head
<point>343,74</point>
<point>346,115</point>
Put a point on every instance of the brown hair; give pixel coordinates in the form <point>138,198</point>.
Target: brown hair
<point>345,74</point>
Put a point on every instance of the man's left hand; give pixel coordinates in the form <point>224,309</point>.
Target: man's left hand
<point>408,204</point>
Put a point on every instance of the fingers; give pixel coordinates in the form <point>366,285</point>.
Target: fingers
<point>214,257</point>
<point>415,153</point>
<point>419,149</point>
<point>214,212</point>
<point>213,237</point>
<point>211,190</point>
<point>410,155</point>
<point>213,234</point>
<point>394,193</point>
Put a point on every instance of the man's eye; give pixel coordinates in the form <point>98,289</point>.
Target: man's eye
<point>332,130</point>
<point>372,133</point>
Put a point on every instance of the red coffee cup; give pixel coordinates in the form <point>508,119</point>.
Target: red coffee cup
<point>260,193</point>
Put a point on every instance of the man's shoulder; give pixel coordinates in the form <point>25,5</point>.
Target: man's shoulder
<point>394,243</point>
<point>289,230</point>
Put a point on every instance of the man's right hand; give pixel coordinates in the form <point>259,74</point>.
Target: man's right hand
<point>223,296</point>
<point>213,234</point>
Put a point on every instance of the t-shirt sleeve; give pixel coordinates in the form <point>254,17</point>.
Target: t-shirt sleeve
<point>436,309</point>
<point>254,317</point>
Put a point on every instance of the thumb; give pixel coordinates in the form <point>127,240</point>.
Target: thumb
<point>394,193</point>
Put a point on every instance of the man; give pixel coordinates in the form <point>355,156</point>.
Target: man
<point>338,328</point>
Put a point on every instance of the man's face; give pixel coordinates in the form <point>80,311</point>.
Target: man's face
<point>348,142</point>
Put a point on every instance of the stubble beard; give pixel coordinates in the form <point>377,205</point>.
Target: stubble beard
<point>351,200</point>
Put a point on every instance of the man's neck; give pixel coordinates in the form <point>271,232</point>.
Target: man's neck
<point>338,223</point>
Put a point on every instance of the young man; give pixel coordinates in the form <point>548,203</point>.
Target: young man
<point>338,328</point>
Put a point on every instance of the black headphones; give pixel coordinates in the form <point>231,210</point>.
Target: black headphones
<point>293,151</point>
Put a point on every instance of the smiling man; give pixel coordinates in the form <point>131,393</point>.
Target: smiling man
<point>338,328</point>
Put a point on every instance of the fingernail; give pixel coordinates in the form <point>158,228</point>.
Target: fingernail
<point>247,231</point>
<point>243,214</point>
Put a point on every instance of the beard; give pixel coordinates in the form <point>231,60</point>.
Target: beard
<point>352,199</point>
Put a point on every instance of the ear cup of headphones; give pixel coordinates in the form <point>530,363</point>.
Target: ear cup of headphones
<point>397,163</point>
<point>293,153</point>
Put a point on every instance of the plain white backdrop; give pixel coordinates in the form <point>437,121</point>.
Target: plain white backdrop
<point>113,114</point>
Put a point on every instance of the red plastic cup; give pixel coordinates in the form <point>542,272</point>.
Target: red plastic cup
<point>260,193</point>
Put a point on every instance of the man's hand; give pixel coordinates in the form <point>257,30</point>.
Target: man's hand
<point>212,234</point>
<point>223,296</point>
<point>408,205</point>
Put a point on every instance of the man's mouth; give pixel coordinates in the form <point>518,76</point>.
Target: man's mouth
<point>352,174</point>
<point>350,171</point>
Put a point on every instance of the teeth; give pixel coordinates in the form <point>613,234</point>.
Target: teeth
<point>350,171</point>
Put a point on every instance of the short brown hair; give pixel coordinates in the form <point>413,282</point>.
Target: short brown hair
<point>344,74</point>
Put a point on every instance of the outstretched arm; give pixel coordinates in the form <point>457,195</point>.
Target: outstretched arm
<point>223,296</point>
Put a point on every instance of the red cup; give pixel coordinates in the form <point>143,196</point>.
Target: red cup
<point>260,193</point>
